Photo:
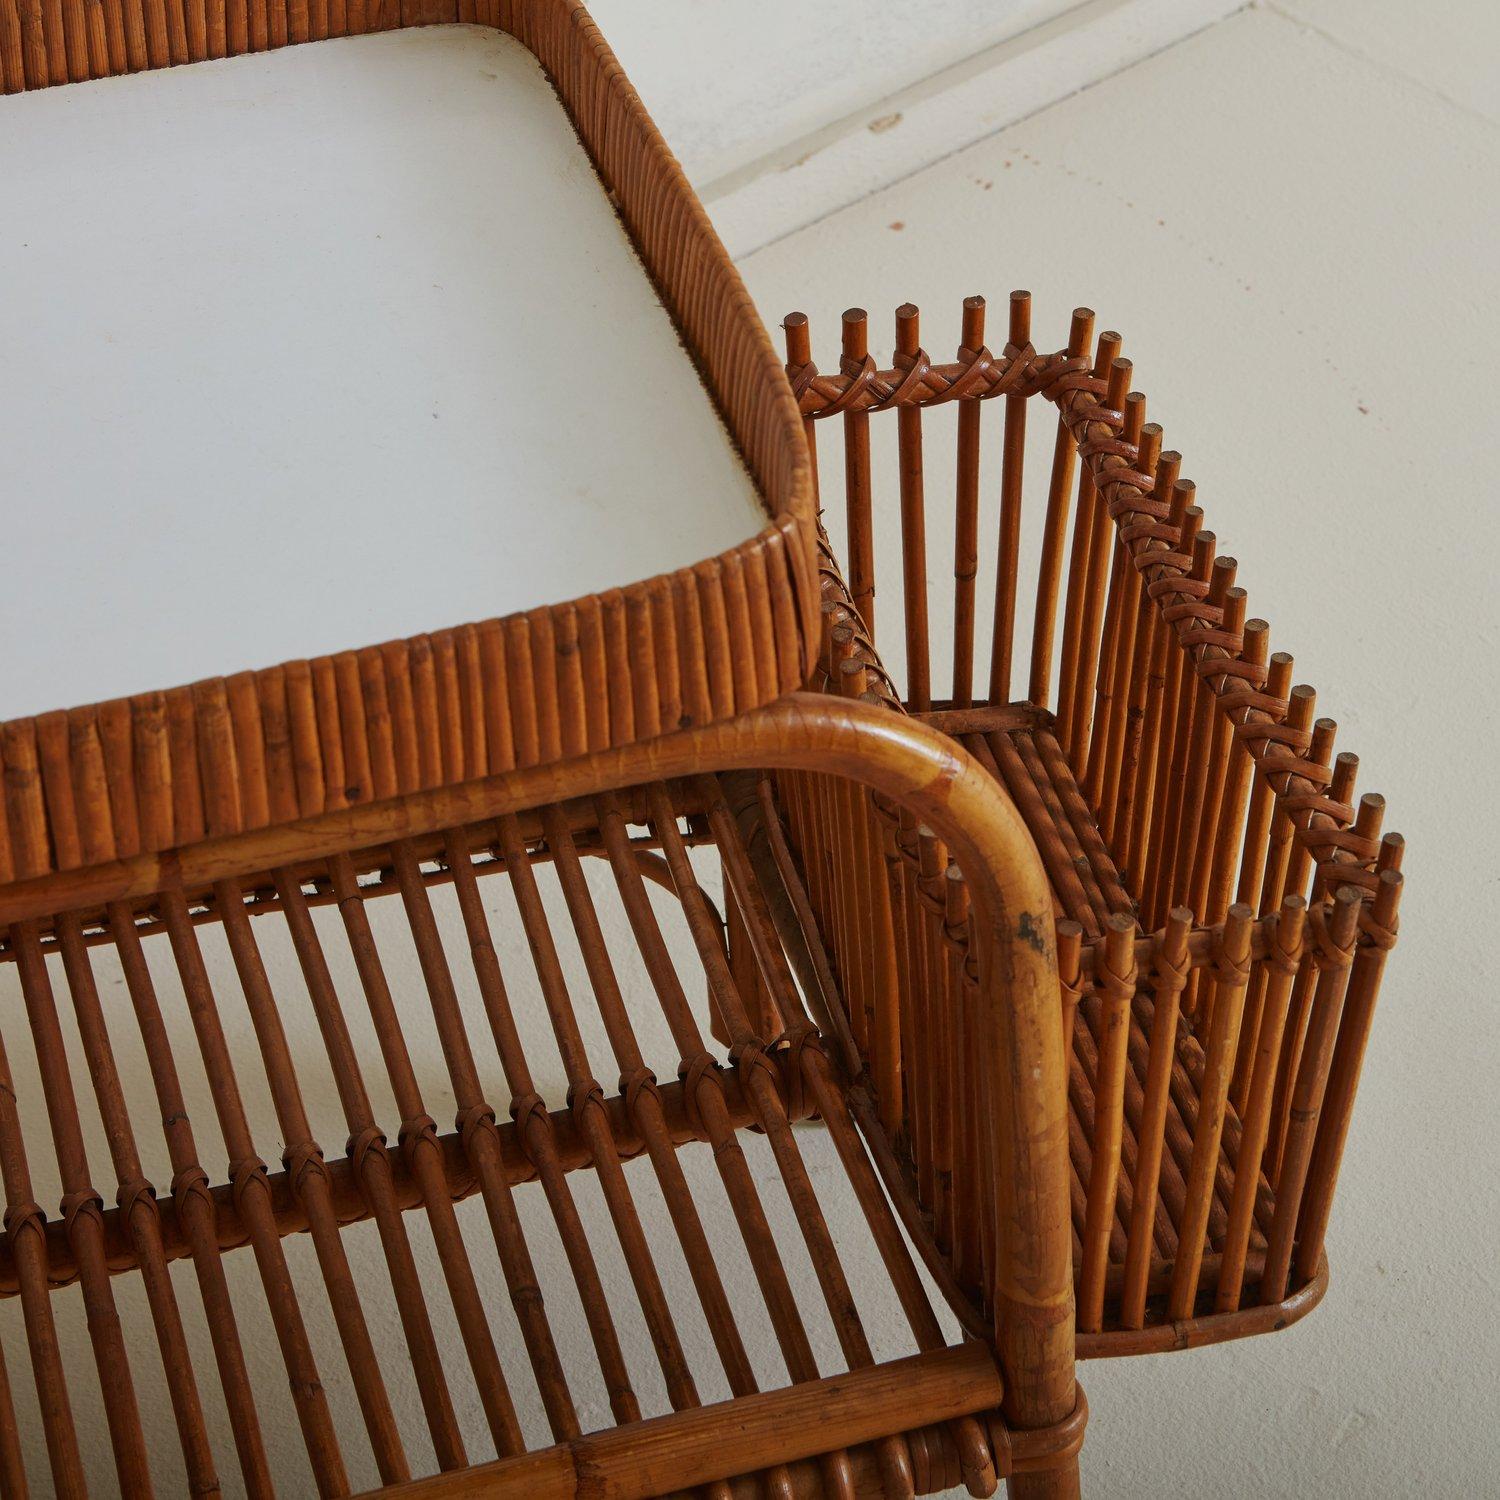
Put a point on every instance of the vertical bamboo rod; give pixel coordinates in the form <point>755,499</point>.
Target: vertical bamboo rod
<point>1333,955</point>
<point>1171,761</point>
<point>1221,830</point>
<point>857,494</point>
<point>838,814</point>
<point>1118,569</point>
<point>1069,937</point>
<point>1231,971</point>
<point>1260,1045</point>
<point>966,516</point>
<point>970,1180</point>
<point>1096,562</point>
<point>798,338</point>
<point>1183,520</point>
<point>1116,978</point>
<point>1228,606</point>
<point>1251,653</point>
<point>1377,936</point>
<point>1012,469</point>
<point>932,858</point>
<point>1128,668</point>
<point>867,871</point>
<point>908,356</point>
<point>1160,526</point>
<point>1252,862</point>
<point>1292,869</point>
<point>1049,578</point>
<point>1169,972</point>
<point>1298,734</point>
<point>1075,600</point>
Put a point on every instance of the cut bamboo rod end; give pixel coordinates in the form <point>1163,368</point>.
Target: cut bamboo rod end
<point>798,339</point>
<point>1020,318</point>
<point>855,327</point>
<point>908,329</point>
<point>1149,458</point>
<point>1080,332</point>
<point>973,325</point>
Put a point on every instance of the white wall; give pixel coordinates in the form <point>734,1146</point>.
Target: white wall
<point>782,112</point>
<point>729,84</point>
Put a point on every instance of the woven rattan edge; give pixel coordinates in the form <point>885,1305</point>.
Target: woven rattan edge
<point>698,645</point>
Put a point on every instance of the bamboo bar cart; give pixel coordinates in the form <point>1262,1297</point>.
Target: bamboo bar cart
<point>338,990</point>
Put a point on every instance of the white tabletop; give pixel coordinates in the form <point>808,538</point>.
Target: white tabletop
<point>312,349</point>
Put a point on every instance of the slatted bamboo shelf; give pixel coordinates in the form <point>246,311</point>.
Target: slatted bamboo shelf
<point>1222,903</point>
<point>341,976</point>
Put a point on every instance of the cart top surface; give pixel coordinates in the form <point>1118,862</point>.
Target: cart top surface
<point>321,347</point>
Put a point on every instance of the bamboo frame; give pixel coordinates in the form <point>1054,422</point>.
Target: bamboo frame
<point>1222,906</point>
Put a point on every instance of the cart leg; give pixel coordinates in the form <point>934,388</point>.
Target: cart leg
<point>1060,1483</point>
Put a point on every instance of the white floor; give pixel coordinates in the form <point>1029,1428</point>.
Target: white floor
<point>1292,218</point>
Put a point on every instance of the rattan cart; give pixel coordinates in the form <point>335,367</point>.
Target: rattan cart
<point>415,1040</point>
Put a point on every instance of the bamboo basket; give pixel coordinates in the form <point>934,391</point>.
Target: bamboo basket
<point>1222,903</point>
<point>316,962</point>
<point>418,899</point>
